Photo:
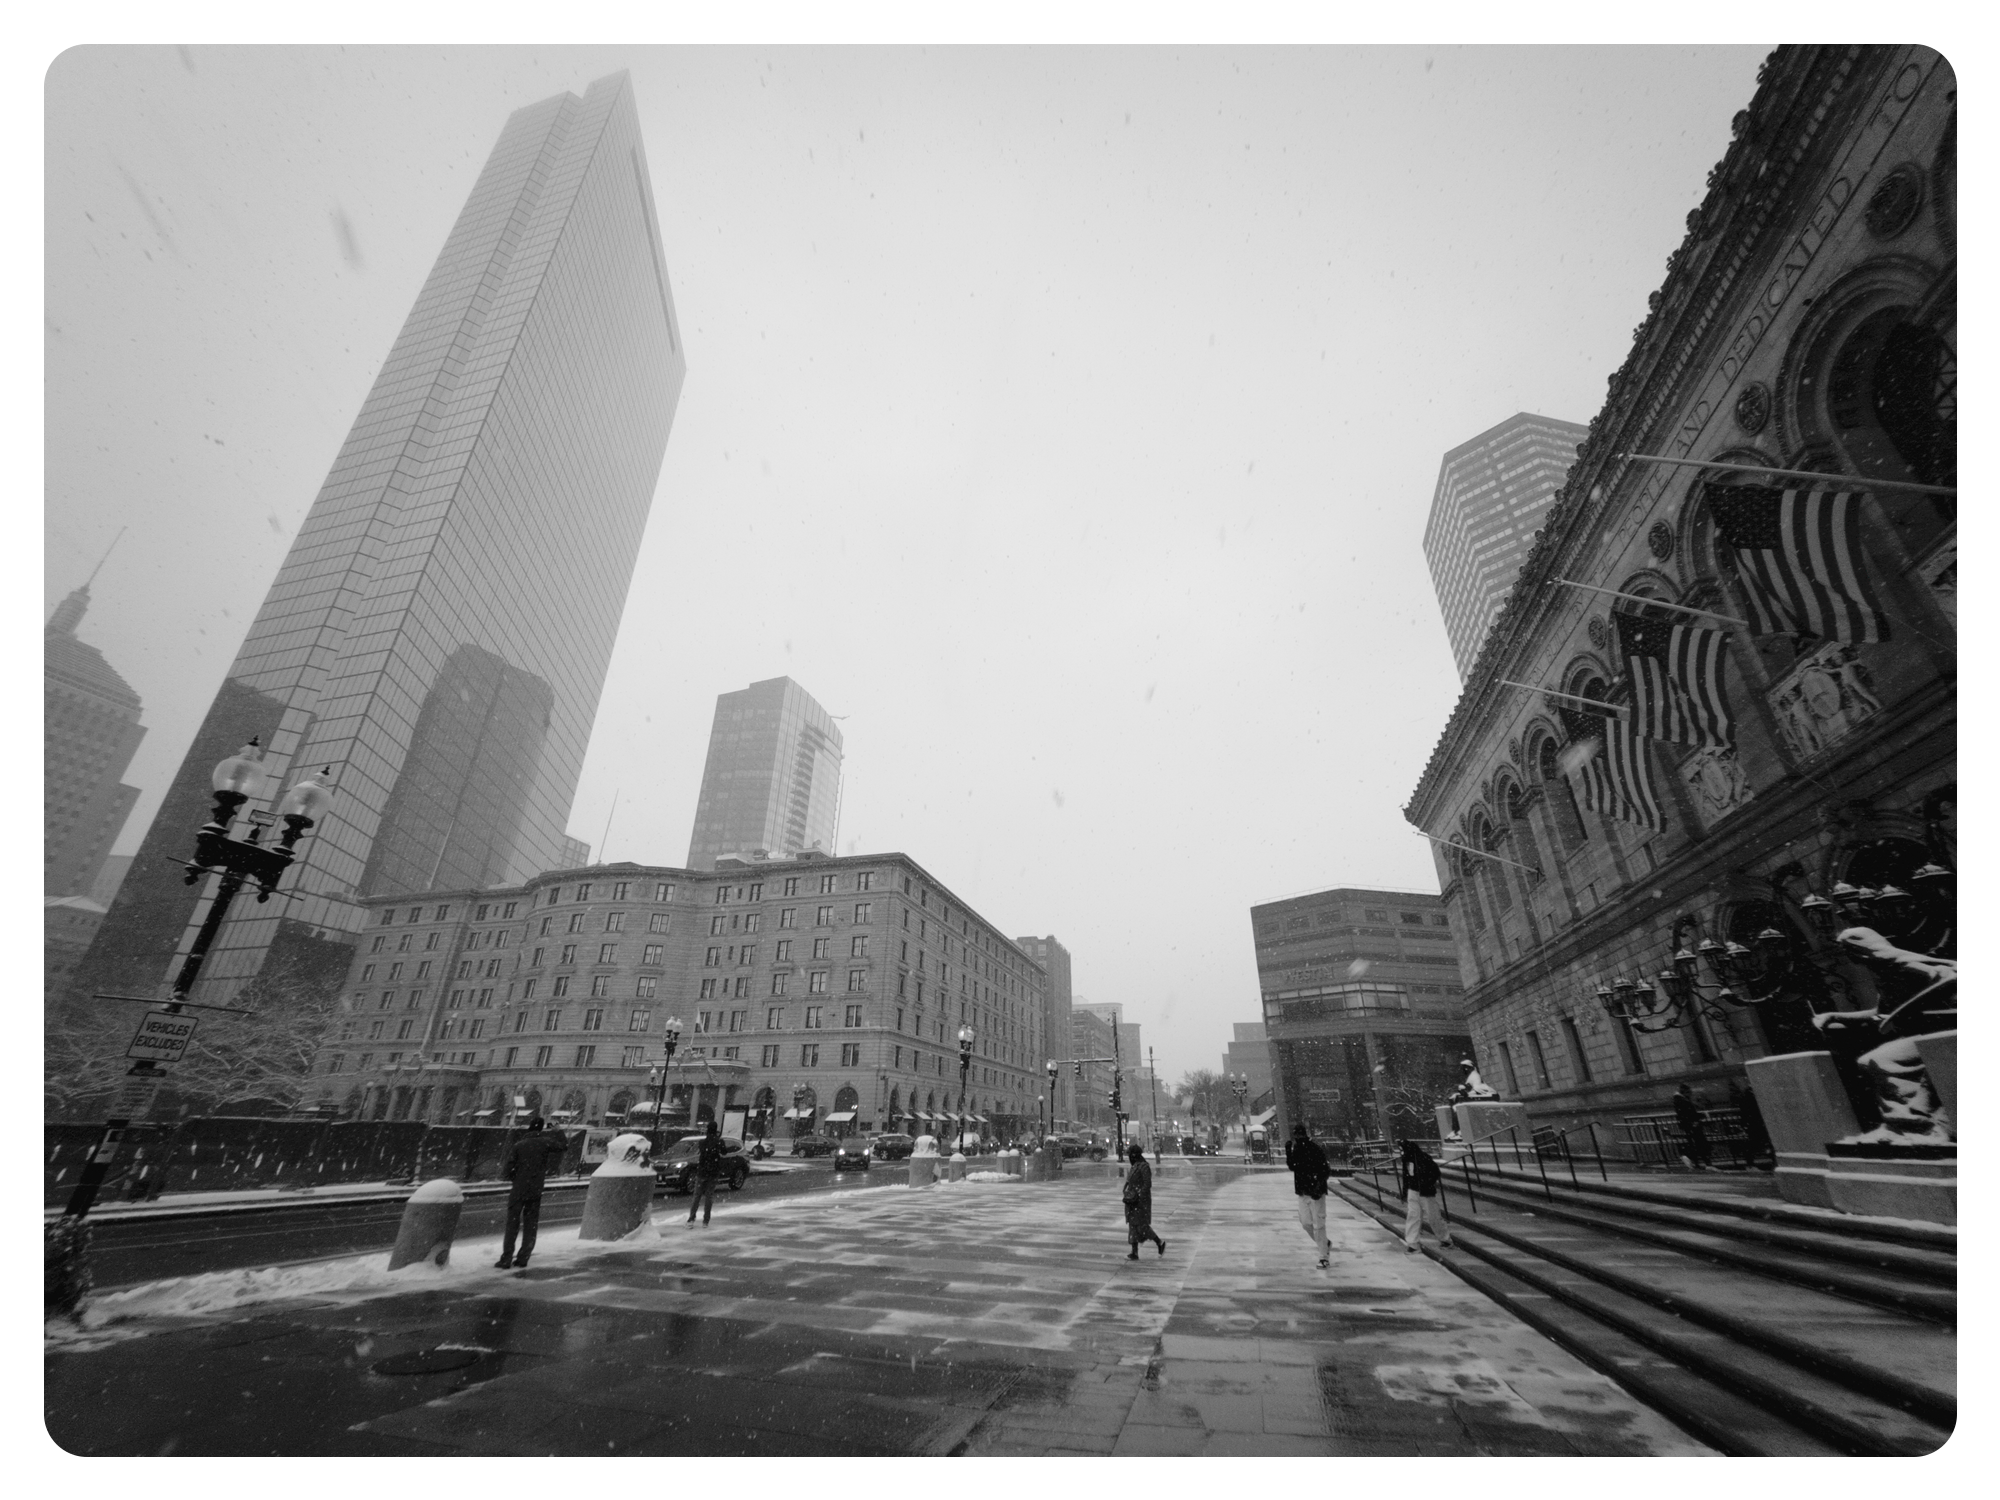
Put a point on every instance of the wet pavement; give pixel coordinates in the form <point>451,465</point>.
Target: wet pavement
<point>970,1319</point>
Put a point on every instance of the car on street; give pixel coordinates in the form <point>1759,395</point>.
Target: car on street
<point>852,1156</point>
<point>892,1146</point>
<point>813,1145</point>
<point>1075,1146</point>
<point>1190,1146</point>
<point>674,1168</point>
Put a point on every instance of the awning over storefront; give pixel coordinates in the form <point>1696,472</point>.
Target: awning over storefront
<point>482,1113</point>
<point>800,1114</point>
<point>643,1107</point>
<point>840,1117</point>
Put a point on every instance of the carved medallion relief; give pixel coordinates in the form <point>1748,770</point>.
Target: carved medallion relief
<point>1823,697</point>
<point>1716,784</point>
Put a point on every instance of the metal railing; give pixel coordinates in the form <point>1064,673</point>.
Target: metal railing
<point>1658,1140</point>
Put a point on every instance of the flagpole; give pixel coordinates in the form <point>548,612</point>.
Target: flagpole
<point>1846,481</point>
<point>1617,709</point>
<point>1481,853</point>
<point>1686,609</point>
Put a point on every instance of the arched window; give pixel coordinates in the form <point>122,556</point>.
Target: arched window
<point>1469,890</point>
<point>620,1105</point>
<point>845,1098</point>
<point>1561,799</point>
<point>1521,837</point>
<point>1486,836</point>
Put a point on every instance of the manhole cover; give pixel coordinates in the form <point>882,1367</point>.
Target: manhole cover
<point>426,1362</point>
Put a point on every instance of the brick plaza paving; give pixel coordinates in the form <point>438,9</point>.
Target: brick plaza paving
<point>975,1318</point>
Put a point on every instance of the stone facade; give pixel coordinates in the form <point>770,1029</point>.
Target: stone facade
<point>836,985</point>
<point>1807,322</point>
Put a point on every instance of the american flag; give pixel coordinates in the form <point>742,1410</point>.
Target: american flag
<point>1676,675</point>
<point>1610,770</point>
<point>1798,557</point>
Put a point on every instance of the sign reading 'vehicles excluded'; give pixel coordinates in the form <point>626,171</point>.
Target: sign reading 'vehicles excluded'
<point>162,1036</point>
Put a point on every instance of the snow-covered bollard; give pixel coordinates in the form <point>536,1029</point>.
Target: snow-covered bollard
<point>620,1195</point>
<point>430,1219</point>
<point>923,1170</point>
<point>955,1168</point>
<point>1010,1163</point>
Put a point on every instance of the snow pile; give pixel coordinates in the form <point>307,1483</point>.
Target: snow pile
<point>626,1156</point>
<point>990,1177</point>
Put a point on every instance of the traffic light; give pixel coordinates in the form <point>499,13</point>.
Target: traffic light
<point>1079,1068</point>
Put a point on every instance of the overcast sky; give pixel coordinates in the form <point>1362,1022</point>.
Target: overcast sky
<point>1064,419</point>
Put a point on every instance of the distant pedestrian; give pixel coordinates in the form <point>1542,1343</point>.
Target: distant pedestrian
<point>707,1167</point>
<point>1139,1202</point>
<point>1310,1173</point>
<point>1694,1132</point>
<point>1421,1180</point>
<point>528,1164</point>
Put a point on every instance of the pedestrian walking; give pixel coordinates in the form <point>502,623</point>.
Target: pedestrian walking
<point>528,1164</point>
<point>1310,1173</point>
<point>1139,1202</point>
<point>707,1167</point>
<point>1756,1136</point>
<point>1421,1180</point>
<point>1694,1132</point>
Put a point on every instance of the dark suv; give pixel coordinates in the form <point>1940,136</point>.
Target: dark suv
<point>674,1168</point>
<point>813,1145</point>
<point>851,1156</point>
<point>893,1146</point>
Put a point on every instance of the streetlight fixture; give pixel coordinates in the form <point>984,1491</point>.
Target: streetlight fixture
<point>1239,1085</point>
<point>965,1041</point>
<point>1055,1072</point>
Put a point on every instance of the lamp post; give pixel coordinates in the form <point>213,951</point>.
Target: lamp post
<point>1055,1072</point>
<point>965,1041</point>
<point>798,1103</point>
<point>1240,1087</point>
<point>234,782</point>
<point>656,1079</point>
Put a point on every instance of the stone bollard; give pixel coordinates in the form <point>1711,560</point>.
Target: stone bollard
<point>620,1195</point>
<point>923,1171</point>
<point>1035,1168</point>
<point>1015,1164</point>
<point>955,1168</point>
<point>430,1219</point>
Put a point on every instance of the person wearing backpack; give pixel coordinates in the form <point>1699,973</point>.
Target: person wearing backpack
<point>1310,1172</point>
<point>1421,1179</point>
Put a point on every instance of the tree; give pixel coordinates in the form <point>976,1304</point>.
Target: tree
<point>1206,1093</point>
<point>263,1057</point>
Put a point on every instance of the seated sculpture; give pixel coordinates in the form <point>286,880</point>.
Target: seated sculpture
<point>1919,996</point>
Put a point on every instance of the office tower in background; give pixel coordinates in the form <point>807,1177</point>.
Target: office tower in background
<point>1490,496</point>
<point>1054,959</point>
<point>772,781</point>
<point>90,729</point>
<point>439,631</point>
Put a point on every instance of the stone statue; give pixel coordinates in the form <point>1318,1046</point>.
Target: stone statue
<point>1919,996</point>
<point>1470,1086</point>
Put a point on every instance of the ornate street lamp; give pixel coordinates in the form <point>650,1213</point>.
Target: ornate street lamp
<point>965,1041</point>
<point>1055,1072</point>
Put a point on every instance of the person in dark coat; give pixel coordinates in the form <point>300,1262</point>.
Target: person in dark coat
<point>529,1163</point>
<point>1310,1172</point>
<point>1421,1179</point>
<point>1756,1136</point>
<point>707,1167</point>
<point>1139,1202</point>
<point>1694,1133</point>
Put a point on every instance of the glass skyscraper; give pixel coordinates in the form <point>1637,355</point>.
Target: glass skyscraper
<point>439,632</point>
<point>772,780</point>
<point>1490,496</point>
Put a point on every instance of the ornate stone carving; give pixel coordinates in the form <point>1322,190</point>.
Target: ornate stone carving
<point>1716,784</point>
<point>1514,752</point>
<point>1753,407</point>
<point>1824,696</point>
<point>1660,540</point>
<point>1895,202</point>
<point>1940,572</point>
<point>1600,633</point>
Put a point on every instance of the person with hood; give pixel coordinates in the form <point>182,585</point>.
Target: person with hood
<point>529,1162</point>
<point>1310,1172</point>
<point>1694,1130</point>
<point>1139,1202</point>
<point>707,1167</point>
<point>1421,1180</point>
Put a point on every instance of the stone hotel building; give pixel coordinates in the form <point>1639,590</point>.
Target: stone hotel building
<point>816,994</point>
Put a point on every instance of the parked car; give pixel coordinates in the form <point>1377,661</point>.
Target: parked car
<point>892,1146</point>
<point>1075,1146</point>
<point>674,1168</point>
<point>1191,1146</point>
<point>761,1148</point>
<point>852,1156</point>
<point>813,1145</point>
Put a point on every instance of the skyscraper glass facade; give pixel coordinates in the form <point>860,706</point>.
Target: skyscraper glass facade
<point>439,632</point>
<point>772,780</point>
<point>1490,496</point>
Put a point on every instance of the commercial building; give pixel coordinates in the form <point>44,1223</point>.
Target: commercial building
<point>1807,322</point>
<point>1054,959</point>
<point>1362,1008</point>
<point>68,925</point>
<point>1093,1035</point>
<point>90,730</point>
<point>812,994</point>
<point>1490,497</point>
<point>1248,1056</point>
<point>438,633</point>
<point>772,781</point>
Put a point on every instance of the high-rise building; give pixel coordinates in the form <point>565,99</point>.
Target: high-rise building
<point>1361,1004</point>
<point>772,781</point>
<point>814,994</point>
<point>1490,496</point>
<point>90,729</point>
<point>1092,1035</point>
<point>439,631</point>
<point>1248,1056</point>
<point>1054,959</point>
